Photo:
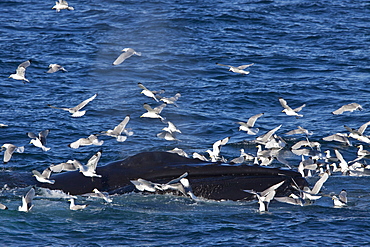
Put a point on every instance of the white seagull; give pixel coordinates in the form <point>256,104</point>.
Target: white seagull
<point>9,150</point>
<point>341,199</point>
<point>74,206</point>
<point>3,207</point>
<point>171,128</point>
<point>313,194</point>
<point>153,112</point>
<point>117,131</point>
<point>179,151</point>
<point>299,130</point>
<point>70,165</point>
<point>265,138</point>
<point>20,72</point>
<point>343,163</point>
<point>171,100</point>
<point>350,107</point>
<point>216,148</point>
<point>149,93</point>
<point>88,170</point>
<point>169,136</point>
<point>265,196</point>
<point>127,52</point>
<point>289,111</point>
<point>62,4</point>
<point>43,177</point>
<point>27,201</point>
<point>103,195</point>
<point>361,152</point>
<point>248,126</point>
<point>40,140</point>
<point>75,111</point>
<point>339,137</point>
<point>239,69</point>
<point>359,133</point>
<point>90,140</point>
<point>145,185</point>
<point>55,67</point>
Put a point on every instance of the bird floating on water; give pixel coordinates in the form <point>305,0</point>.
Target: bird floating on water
<point>341,199</point>
<point>74,206</point>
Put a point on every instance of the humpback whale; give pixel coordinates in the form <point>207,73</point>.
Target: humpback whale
<point>208,180</point>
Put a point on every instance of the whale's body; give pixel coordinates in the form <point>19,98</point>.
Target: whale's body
<point>208,180</point>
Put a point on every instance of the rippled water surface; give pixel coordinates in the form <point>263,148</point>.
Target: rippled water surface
<point>313,52</point>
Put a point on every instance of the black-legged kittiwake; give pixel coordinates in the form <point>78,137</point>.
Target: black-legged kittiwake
<point>127,52</point>
<point>20,72</point>
<point>75,111</point>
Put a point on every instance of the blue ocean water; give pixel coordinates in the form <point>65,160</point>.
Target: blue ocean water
<point>312,52</point>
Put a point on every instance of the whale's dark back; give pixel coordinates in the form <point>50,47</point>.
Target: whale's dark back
<point>208,180</point>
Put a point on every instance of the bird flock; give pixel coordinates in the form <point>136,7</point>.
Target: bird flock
<point>270,146</point>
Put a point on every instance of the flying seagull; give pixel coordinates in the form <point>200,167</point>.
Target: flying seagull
<point>339,137</point>
<point>88,170</point>
<point>299,130</point>
<point>248,126</point>
<point>127,52</point>
<point>40,140</point>
<point>265,196</point>
<point>149,93</point>
<point>289,111</point>
<point>70,165</point>
<point>9,150</point>
<point>145,185</point>
<point>75,111</point>
<point>153,112</point>
<point>27,201</point>
<point>171,100</point>
<point>20,72</point>
<point>239,69</point>
<point>350,107</point>
<point>359,133</point>
<point>43,177</point>
<point>216,148</point>
<point>62,4</point>
<point>55,67</point>
<point>90,140</point>
<point>103,195</point>
<point>117,131</point>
